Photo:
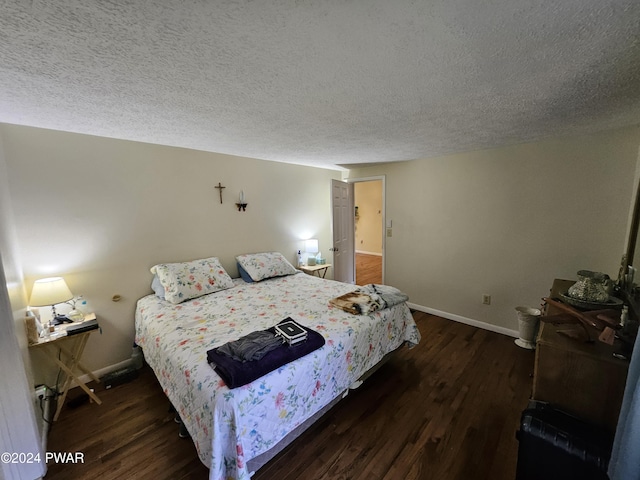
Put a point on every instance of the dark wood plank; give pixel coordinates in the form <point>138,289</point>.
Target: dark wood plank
<point>447,409</point>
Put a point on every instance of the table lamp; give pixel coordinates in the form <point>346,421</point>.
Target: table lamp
<point>51,291</point>
<point>311,247</point>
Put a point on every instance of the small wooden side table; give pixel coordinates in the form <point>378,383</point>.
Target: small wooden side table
<point>69,348</point>
<point>316,269</point>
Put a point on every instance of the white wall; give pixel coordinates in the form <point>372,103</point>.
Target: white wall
<point>9,252</point>
<point>18,430</point>
<point>504,222</point>
<point>100,212</point>
<point>507,221</point>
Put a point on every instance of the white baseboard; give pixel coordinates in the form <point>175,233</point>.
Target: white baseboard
<point>465,320</point>
<point>364,252</point>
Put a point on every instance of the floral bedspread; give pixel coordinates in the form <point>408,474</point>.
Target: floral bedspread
<point>228,426</point>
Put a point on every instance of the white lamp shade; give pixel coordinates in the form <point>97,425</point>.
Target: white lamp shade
<point>50,291</point>
<point>311,245</point>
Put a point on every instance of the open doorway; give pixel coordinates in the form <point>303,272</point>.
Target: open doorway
<point>369,228</point>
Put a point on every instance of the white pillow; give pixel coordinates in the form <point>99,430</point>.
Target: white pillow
<point>187,280</point>
<point>265,265</point>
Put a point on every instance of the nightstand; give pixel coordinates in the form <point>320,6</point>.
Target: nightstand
<point>316,269</point>
<point>65,348</point>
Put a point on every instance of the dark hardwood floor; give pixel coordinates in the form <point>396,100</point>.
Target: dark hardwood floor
<point>368,269</point>
<point>447,409</point>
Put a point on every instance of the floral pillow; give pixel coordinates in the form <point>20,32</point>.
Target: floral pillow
<point>183,281</point>
<point>265,265</point>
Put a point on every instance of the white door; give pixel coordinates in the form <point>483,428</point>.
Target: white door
<point>343,231</point>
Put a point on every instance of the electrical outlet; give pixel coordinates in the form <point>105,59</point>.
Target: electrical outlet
<point>486,299</point>
<point>41,391</point>
<point>389,232</point>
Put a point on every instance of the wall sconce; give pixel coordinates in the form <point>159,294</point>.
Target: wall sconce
<point>242,204</point>
<point>50,292</point>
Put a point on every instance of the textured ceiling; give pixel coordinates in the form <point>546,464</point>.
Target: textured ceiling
<point>326,82</point>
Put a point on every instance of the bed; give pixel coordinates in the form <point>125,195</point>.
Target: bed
<point>236,430</point>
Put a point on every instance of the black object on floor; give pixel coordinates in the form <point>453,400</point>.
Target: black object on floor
<point>557,446</point>
<point>119,377</point>
<point>77,401</point>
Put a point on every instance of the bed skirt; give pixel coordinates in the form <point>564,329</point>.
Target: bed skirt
<point>258,462</point>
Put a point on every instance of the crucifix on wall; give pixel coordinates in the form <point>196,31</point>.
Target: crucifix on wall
<point>220,187</point>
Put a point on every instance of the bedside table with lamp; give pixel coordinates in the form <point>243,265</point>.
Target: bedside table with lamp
<point>64,339</point>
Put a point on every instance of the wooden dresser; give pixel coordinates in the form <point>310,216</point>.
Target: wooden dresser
<point>583,379</point>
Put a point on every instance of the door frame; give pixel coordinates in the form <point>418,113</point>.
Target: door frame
<point>384,217</point>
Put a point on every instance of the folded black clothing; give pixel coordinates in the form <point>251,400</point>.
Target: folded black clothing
<point>251,347</point>
<point>236,373</point>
